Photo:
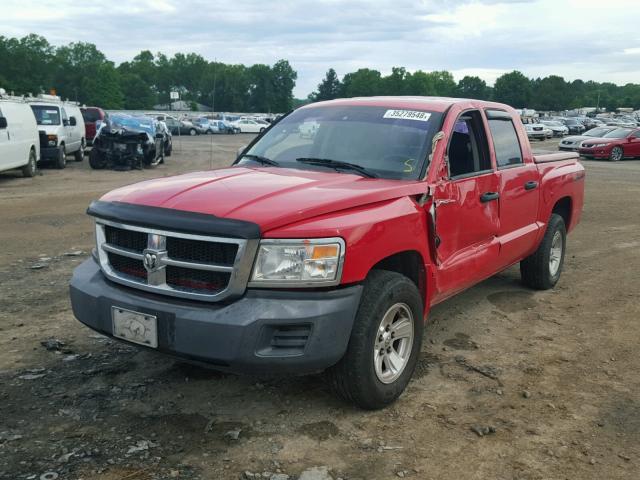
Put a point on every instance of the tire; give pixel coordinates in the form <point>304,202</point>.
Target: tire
<point>193,132</point>
<point>31,168</point>
<point>261,130</point>
<point>355,377</point>
<point>61,161</point>
<point>78,155</point>
<point>541,270</point>
<point>616,154</point>
<point>96,161</point>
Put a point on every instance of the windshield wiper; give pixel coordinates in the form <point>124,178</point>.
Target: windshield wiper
<point>327,162</point>
<point>261,159</point>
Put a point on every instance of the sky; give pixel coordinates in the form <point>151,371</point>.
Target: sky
<point>592,40</point>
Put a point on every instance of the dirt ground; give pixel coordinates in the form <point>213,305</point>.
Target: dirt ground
<point>550,377</point>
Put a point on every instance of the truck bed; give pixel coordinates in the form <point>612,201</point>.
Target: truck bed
<point>554,157</point>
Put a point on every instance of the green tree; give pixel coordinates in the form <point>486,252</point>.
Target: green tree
<point>472,87</point>
<point>550,93</point>
<point>513,89</point>
<point>362,83</point>
<point>283,80</point>
<point>137,93</point>
<point>328,89</point>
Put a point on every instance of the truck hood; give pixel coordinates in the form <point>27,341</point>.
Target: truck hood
<point>271,197</point>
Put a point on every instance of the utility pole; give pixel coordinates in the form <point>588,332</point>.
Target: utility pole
<point>213,94</point>
<point>598,103</point>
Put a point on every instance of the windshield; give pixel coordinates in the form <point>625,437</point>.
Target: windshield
<point>618,133</point>
<point>46,115</point>
<point>597,132</point>
<point>571,121</point>
<point>130,123</point>
<point>387,142</point>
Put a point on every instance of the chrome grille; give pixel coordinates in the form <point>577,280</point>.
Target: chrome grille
<point>174,263</point>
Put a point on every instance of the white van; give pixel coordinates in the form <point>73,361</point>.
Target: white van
<point>19,141</point>
<point>63,125</point>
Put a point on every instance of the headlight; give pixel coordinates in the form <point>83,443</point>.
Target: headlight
<point>298,263</point>
<point>601,144</point>
<point>52,140</point>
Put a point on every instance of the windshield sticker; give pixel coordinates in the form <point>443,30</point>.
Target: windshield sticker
<point>408,115</point>
<point>51,111</point>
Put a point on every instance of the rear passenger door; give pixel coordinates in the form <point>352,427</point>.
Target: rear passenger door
<point>466,209</point>
<point>519,187</point>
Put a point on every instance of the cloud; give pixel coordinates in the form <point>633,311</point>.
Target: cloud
<point>575,38</point>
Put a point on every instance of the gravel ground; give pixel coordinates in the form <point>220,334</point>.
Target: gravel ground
<point>511,384</point>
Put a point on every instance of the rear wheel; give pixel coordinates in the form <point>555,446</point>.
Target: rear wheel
<point>193,132</point>
<point>30,169</point>
<point>616,154</point>
<point>61,161</point>
<point>542,269</point>
<point>79,154</point>
<point>384,345</point>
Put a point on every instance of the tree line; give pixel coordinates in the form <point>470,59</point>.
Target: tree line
<point>81,72</point>
<point>549,93</point>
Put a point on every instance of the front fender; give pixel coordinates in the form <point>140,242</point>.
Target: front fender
<point>371,232</point>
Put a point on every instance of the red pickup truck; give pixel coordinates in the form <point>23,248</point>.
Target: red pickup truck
<point>326,251</point>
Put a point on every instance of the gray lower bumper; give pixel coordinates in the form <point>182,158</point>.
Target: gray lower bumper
<point>264,332</point>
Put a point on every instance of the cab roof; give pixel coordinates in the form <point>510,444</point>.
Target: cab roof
<point>434,104</point>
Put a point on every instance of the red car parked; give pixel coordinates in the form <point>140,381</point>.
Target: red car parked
<point>327,251</point>
<point>614,146</point>
<point>91,116</point>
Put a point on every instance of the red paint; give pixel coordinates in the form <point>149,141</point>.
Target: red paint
<point>91,116</point>
<point>630,145</point>
<point>378,218</point>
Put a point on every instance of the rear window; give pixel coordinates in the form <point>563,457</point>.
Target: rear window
<point>46,115</point>
<point>91,115</point>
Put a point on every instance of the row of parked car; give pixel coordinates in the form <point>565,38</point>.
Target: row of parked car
<point>606,143</point>
<point>542,128</point>
<point>42,128</point>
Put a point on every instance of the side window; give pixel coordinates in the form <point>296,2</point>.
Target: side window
<point>468,152</point>
<point>505,141</point>
<point>637,134</point>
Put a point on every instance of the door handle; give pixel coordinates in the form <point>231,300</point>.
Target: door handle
<point>489,196</point>
<point>530,185</point>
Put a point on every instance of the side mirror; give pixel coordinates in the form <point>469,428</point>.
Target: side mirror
<point>72,121</point>
<point>3,123</point>
<point>239,152</point>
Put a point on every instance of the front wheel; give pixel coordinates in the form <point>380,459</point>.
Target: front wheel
<point>96,159</point>
<point>193,132</point>
<point>616,154</point>
<point>541,270</point>
<point>384,345</point>
<point>61,161</point>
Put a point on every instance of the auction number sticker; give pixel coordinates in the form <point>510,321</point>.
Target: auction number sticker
<point>408,115</point>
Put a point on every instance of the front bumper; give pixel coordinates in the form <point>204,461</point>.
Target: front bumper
<point>263,332</point>
<point>594,152</point>
<point>49,153</point>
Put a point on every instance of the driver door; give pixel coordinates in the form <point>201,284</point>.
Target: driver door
<point>466,209</point>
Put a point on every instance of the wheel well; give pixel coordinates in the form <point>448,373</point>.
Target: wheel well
<point>563,208</point>
<point>410,264</point>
